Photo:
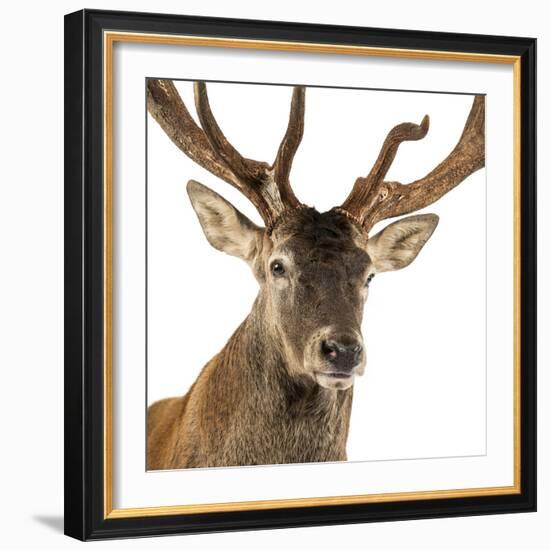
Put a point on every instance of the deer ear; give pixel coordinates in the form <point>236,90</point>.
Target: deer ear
<point>398,244</point>
<point>224,226</point>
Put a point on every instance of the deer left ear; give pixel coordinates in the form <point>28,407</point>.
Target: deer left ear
<point>398,244</point>
<point>224,226</point>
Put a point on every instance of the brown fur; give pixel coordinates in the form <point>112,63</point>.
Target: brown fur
<point>245,409</point>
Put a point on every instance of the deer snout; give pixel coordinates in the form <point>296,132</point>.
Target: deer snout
<point>342,352</point>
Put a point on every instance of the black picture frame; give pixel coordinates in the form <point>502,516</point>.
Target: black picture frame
<point>84,276</point>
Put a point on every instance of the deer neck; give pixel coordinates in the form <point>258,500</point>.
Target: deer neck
<point>258,351</point>
<point>304,421</point>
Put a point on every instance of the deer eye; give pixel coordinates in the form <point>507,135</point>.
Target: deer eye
<point>277,268</point>
<point>369,279</point>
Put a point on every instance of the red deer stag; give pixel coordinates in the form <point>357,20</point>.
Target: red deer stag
<point>280,391</point>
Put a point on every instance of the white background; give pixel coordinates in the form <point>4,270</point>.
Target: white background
<point>31,290</point>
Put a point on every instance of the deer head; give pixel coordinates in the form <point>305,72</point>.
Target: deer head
<point>313,268</point>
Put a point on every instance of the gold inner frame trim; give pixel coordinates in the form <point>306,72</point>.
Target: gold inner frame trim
<point>109,39</point>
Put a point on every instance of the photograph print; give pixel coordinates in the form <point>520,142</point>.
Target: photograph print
<point>261,358</point>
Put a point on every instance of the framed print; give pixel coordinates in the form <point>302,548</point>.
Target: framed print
<point>300,274</point>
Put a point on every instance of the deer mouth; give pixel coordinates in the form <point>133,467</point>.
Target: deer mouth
<point>343,375</point>
<point>335,380</point>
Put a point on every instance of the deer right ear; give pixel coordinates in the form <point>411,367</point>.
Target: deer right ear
<point>224,226</point>
<point>398,244</point>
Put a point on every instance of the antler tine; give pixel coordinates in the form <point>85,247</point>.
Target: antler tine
<point>289,146</point>
<point>166,107</point>
<point>365,191</point>
<point>273,182</point>
<point>390,199</point>
<point>248,170</point>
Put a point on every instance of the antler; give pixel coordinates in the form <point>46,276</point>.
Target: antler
<point>267,187</point>
<point>372,199</point>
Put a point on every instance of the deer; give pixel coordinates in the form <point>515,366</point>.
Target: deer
<point>280,391</point>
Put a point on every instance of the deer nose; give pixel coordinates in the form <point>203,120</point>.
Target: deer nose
<point>343,353</point>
